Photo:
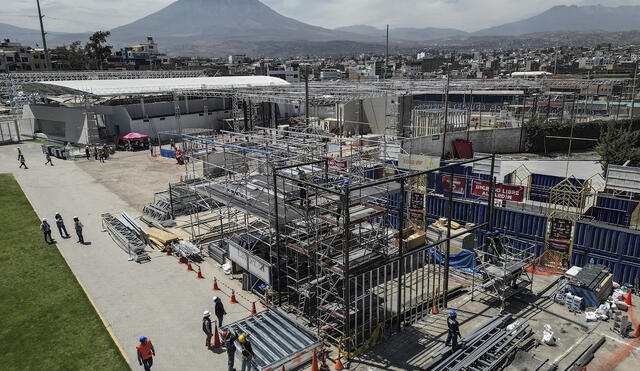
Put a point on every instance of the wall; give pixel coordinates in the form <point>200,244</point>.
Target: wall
<point>157,125</point>
<point>505,140</point>
<point>73,117</point>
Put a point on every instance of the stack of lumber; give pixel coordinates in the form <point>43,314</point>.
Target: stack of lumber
<point>161,239</point>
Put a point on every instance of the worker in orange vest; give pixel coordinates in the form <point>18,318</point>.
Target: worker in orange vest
<point>145,353</point>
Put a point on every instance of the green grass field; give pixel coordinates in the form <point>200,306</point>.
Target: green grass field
<point>46,320</point>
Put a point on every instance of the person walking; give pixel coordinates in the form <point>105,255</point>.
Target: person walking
<point>247,352</point>
<point>61,226</point>
<point>19,153</point>
<point>146,352</point>
<point>46,229</point>
<point>78,226</point>
<point>48,157</point>
<point>101,154</point>
<point>453,330</point>
<point>22,162</point>
<point>218,309</point>
<point>206,327</point>
<point>151,148</point>
<point>95,152</point>
<point>230,344</point>
<point>87,152</point>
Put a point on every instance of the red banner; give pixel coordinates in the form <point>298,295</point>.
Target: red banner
<point>337,165</point>
<point>459,184</point>
<point>502,192</point>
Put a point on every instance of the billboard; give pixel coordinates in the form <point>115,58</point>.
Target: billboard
<point>459,184</point>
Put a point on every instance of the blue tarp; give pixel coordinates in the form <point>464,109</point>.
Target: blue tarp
<point>463,260</point>
<point>167,153</point>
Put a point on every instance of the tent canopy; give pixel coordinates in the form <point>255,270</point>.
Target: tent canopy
<point>133,136</point>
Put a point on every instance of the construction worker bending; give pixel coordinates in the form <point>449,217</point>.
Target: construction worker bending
<point>206,327</point>
<point>146,352</point>
<point>247,352</point>
<point>453,330</point>
<point>230,343</point>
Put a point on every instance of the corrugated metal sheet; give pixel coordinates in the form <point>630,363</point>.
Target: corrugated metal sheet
<point>614,210</point>
<point>541,184</point>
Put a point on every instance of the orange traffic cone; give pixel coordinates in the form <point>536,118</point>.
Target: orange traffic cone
<point>199,276</point>
<point>253,309</point>
<point>180,261</point>
<point>283,368</point>
<point>216,338</point>
<point>233,298</point>
<point>628,299</point>
<point>339,365</point>
<point>434,310</point>
<point>189,267</point>
<point>169,253</point>
<point>215,285</point>
<point>314,362</point>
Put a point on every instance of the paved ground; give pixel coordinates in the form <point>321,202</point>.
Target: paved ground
<point>157,299</point>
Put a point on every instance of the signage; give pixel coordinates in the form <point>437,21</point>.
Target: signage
<point>504,192</point>
<point>337,165</point>
<point>560,235</point>
<point>418,162</point>
<point>435,137</point>
<point>417,202</point>
<point>459,184</point>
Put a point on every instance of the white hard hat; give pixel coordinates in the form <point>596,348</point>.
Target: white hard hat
<point>75,217</point>
<point>215,298</point>
<point>44,219</point>
<point>206,313</point>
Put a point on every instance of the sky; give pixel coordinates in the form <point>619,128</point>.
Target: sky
<point>467,15</point>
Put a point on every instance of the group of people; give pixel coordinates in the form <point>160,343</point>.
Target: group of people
<point>228,337</point>
<point>99,153</point>
<point>23,162</point>
<point>45,227</point>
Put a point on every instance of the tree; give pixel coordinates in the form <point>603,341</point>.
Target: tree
<point>618,144</point>
<point>97,48</point>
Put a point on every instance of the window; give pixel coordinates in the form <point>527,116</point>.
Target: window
<point>51,127</point>
<point>162,118</point>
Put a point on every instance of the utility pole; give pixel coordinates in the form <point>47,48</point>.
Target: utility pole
<point>47,61</point>
<point>633,91</point>
<point>306,93</point>
<point>386,56</point>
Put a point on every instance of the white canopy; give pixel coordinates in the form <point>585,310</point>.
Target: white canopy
<point>162,85</point>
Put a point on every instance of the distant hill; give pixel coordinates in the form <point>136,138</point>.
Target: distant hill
<point>30,37</point>
<point>403,33</point>
<point>571,18</point>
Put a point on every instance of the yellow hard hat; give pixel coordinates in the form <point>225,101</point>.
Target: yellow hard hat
<point>241,338</point>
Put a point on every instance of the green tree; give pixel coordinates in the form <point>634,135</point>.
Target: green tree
<point>618,144</point>
<point>97,49</point>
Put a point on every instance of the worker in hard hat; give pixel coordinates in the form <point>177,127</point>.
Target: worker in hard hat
<point>302,188</point>
<point>218,309</point>
<point>230,343</point>
<point>453,330</point>
<point>61,226</point>
<point>145,353</point>
<point>247,352</point>
<point>206,327</point>
<point>46,230</point>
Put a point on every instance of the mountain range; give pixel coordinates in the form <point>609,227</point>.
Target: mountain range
<point>222,27</point>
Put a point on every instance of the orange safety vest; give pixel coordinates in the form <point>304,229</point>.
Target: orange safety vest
<point>145,350</point>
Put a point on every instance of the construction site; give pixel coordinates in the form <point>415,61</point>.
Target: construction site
<point>357,219</point>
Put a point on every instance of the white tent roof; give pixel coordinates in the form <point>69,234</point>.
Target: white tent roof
<point>160,85</point>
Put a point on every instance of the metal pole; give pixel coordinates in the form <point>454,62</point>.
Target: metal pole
<point>171,202</point>
<point>400,252</point>
<point>277,227</point>
<point>633,93</point>
<point>345,253</point>
<point>386,58</point>
<point>445,288</point>
<point>491,194</point>
<point>446,115</point>
<point>47,61</point>
<point>524,109</point>
<point>306,93</point>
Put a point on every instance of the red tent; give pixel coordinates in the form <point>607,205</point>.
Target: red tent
<point>133,136</point>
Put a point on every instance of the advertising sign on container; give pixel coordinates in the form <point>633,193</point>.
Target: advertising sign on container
<point>504,192</point>
<point>337,165</point>
<point>418,162</point>
<point>459,184</point>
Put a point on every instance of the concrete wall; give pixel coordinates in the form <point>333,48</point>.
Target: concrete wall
<point>160,124</point>
<point>73,117</point>
<point>167,108</point>
<point>116,119</point>
<point>506,140</point>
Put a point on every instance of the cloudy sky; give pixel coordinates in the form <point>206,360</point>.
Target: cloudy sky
<point>468,15</point>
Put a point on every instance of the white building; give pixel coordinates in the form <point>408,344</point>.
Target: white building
<point>288,74</point>
<point>132,105</point>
